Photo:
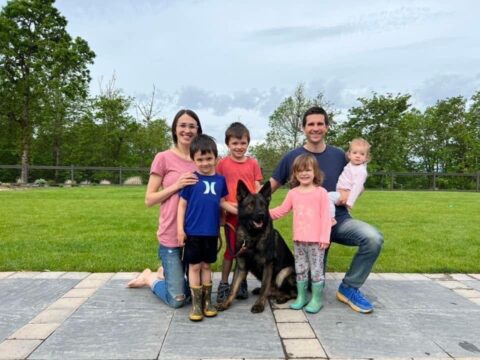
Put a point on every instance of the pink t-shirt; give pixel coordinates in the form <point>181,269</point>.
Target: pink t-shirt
<point>352,178</point>
<point>311,216</point>
<point>169,166</point>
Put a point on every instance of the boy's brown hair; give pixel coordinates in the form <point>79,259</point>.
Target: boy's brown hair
<point>236,130</point>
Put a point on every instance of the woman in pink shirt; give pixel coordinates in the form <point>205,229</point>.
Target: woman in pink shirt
<point>170,172</point>
<point>311,229</point>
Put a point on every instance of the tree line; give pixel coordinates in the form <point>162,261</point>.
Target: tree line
<point>47,116</point>
<point>445,137</point>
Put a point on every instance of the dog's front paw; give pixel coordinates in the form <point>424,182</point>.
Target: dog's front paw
<point>222,306</point>
<point>257,308</point>
<point>282,299</point>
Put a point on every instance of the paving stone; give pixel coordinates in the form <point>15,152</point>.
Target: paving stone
<point>115,323</point>
<point>473,284</point>
<point>100,276</point>
<point>235,333</point>
<point>334,276</point>
<point>25,275</point>
<point>401,309</point>
<point>50,275</point>
<point>391,276</point>
<point>288,315</point>
<point>34,331</point>
<point>415,277</point>
<point>302,348</point>
<point>475,300</point>
<point>373,277</point>
<point>295,330</point>
<point>4,275</point>
<point>468,293</point>
<point>437,276</point>
<point>52,316</point>
<point>75,275</point>
<point>80,293</point>
<point>17,349</point>
<point>67,303</point>
<point>125,276</point>
<point>90,284</point>
<point>476,276</point>
<point>460,277</point>
<point>22,299</point>
<point>453,284</point>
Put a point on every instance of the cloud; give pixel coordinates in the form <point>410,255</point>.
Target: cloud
<point>445,86</point>
<point>265,102</point>
<point>376,21</point>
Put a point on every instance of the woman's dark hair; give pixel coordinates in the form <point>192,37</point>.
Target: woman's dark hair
<point>313,111</point>
<point>203,144</point>
<point>175,121</point>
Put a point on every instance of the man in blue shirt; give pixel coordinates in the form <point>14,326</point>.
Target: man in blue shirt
<point>347,231</point>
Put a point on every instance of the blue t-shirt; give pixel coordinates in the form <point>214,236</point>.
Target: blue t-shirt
<point>202,217</point>
<point>331,161</point>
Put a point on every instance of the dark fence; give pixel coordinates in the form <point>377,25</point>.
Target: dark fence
<point>78,174</point>
<point>117,175</point>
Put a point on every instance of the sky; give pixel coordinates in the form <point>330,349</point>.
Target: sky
<point>237,60</point>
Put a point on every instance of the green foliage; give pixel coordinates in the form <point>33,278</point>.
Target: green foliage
<point>286,127</point>
<point>41,69</point>
<point>382,121</point>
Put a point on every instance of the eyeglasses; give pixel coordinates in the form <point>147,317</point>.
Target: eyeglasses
<point>187,126</point>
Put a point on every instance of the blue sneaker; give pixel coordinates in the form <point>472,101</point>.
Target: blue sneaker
<point>354,298</point>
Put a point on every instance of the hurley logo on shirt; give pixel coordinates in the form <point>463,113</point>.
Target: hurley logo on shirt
<point>209,187</point>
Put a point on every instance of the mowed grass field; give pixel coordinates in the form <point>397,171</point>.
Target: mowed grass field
<point>101,229</point>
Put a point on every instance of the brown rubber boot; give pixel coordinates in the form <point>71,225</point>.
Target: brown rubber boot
<point>208,309</point>
<point>196,312</point>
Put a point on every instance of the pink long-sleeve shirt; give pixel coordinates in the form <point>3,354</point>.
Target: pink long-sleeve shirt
<point>352,178</point>
<point>311,217</point>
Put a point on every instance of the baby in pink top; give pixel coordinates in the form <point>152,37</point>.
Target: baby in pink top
<point>354,174</point>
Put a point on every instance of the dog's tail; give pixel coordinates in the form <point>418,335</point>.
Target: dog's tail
<point>282,275</point>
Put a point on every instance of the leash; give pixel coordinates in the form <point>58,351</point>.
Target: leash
<point>228,228</point>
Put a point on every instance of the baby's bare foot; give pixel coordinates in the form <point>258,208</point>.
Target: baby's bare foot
<point>140,280</point>
<point>160,273</point>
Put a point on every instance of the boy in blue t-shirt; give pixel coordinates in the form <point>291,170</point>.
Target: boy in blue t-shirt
<point>199,222</point>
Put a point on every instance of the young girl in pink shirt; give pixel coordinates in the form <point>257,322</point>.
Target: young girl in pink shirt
<point>311,229</point>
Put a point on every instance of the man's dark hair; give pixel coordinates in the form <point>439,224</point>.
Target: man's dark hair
<point>190,113</point>
<point>315,110</point>
<point>203,144</point>
<point>236,130</point>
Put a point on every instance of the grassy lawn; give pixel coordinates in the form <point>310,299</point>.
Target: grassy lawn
<point>110,229</point>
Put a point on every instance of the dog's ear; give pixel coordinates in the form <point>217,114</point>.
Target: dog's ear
<point>242,191</point>
<point>266,191</point>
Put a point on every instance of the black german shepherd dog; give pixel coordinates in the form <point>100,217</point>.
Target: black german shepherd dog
<point>261,250</point>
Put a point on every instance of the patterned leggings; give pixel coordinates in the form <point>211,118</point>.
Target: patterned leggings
<point>309,256</point>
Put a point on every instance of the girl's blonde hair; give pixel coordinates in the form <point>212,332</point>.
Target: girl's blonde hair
<point>304,162</point>
<point>362,143</point>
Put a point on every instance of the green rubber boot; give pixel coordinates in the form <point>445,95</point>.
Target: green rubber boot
<point>301,296</point>
<point>316,303</point>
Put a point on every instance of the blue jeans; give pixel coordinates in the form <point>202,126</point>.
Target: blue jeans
<point>352,232</point>
<point>172,290</point>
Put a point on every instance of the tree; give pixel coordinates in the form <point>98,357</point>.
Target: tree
<point>382,120</point>
<point>285,127</point>
<point>40,64</point>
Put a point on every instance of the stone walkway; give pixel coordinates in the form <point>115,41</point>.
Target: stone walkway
<point>70,315</point>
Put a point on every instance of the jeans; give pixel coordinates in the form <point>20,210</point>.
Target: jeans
<point>352,232</point>
<point>173,289</point>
